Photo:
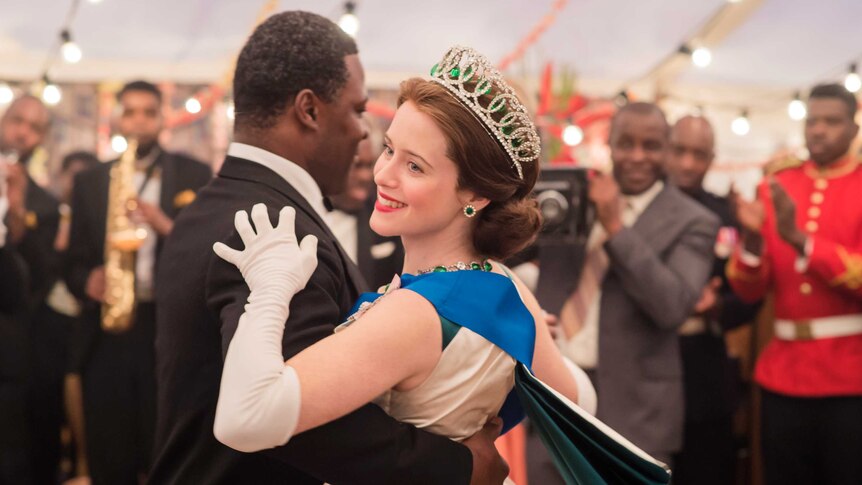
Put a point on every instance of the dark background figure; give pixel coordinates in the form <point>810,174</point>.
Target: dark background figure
<point>711,379</point>
<point>117,369</point>
<point>299,94</point>
<point>379,258</point>
<point>15,443</point>
<point>648,257</point>
<point>32,221</point>
<point>50,333</point>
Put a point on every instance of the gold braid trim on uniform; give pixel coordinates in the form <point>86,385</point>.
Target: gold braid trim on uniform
<point>780,164</point>
<point>735,274</point>
<point>852,276</point>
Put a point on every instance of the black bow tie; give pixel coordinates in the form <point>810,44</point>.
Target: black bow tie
<point>327,204</point>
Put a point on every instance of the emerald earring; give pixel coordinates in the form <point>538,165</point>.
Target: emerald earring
<point>469,210</point>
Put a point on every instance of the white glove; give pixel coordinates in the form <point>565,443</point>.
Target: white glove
<point>259,400</point>
<point>272,259</point>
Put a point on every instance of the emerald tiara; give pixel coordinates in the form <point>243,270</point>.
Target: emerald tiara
<point>469,76</point>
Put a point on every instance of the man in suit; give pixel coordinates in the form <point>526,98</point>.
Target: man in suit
<point>379,258</point>
<point>32,218</point>
<point>117,369</point>
<point>15,440</point>
<point>648,257</point>
<point>299,97</point>
<point>710,379</point>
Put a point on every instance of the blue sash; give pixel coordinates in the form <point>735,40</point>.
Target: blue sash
<point>485,303</point>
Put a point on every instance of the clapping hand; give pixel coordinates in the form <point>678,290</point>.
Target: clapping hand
<point>785,217</point>
<point>604,192</point>
<point>750,215</point>
<point>272,258</point>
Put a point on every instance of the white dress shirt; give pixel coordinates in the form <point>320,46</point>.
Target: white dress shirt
<point>583,347</point>
<point>345,228</point>
<point>292,173</point>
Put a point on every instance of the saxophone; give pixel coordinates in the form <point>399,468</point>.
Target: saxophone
<point>122,240</point>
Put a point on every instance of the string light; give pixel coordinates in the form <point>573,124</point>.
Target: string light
<point>95,2</point>
<point>230,111</point>
<point>741,126</point>
<point>573,135</point>
<point>51,93</point>
<point>796,109</point>
<point>193,106</point>
<point>6,94</point>
<point>70,50</point>
<point>349,22</point>
<point>119,143</point>
<point>852,82</point>
<point>700,57</point>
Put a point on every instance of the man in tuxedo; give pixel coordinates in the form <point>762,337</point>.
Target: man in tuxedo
<point>299,97</point>
<point>648,257</point>
<point>117,369</point>
<point>32,218</point>
<point>379,258</point>
<point>710,378</point>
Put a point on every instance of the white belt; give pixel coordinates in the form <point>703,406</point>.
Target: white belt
<point>817,328</point>
<point>692,326</point>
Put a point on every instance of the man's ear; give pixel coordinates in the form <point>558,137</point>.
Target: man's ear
<point>306,106</point>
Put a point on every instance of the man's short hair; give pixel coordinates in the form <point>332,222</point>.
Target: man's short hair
<point>142,86</point>
<point>836,91</point>
<point>289,52</point>
<point>643,109</point>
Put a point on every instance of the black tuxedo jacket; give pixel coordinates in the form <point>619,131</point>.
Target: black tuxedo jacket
<point>181,177</point>
<point>36,248</point>
<point>199,299</point>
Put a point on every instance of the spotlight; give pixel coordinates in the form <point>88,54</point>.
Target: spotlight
<point>700,57</point>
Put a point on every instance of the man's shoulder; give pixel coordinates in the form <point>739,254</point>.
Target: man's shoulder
<point>690,212</point>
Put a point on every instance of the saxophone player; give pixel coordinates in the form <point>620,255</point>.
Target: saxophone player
<point>116,364</point>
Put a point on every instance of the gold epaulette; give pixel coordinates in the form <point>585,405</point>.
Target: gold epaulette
<point>783,163</point>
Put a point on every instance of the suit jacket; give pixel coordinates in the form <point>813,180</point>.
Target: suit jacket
<point>710,378</point>
<point>658,268</point>
<point>181,177</point>
<point>36,248</point>
<point>379,257</point>
<point>199,299</point>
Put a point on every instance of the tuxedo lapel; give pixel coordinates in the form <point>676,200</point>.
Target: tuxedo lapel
<point>241,169</point>
<point>169,183</point>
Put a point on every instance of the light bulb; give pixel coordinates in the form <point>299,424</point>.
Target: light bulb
<point>230,111</point>
<point>119,143</point>
<point>701,57</point>
<point>796,109</point>
<point>349,23</point>
<point>573,135</point>
<point>95,1</point>
<point>71,52</point>
<point>6,94</point>
<point>741,126</point>
<point>852,82</point>
<point>193,106</point>
<point>51,94</point>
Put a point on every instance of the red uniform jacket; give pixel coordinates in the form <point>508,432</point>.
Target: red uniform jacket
<point>829,210</point>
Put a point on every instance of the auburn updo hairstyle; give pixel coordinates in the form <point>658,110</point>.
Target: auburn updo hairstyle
<point>511,220</point>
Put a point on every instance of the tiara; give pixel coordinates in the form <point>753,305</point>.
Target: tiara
<point>470,76</point>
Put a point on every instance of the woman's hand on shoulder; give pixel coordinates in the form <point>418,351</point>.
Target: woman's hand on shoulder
<point>272,257</point>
